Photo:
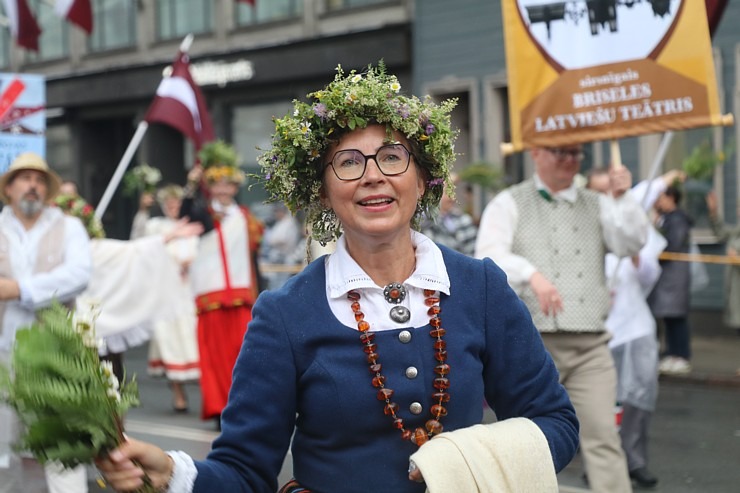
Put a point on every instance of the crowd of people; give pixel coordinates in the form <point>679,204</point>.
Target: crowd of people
<point>546,309</point>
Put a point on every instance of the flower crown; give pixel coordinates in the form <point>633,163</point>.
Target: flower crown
<point>141,179</point>
<point>74,205</point>
<point>292,171</point>
<point>219,161</point>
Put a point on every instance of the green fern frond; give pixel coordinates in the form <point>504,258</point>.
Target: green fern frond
<point>71,407</point>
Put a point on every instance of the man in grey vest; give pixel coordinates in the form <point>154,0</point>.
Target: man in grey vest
<point>44,256</point>
<point>550,237</point>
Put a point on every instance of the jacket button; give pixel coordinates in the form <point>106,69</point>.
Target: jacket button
<point>411,372</point>
<point>415,408</point>
<point>404,336</point>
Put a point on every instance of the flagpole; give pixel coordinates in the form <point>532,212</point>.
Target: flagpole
<point>121,169</point>
<point>130,150</point>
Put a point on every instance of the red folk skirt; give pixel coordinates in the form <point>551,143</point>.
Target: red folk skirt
<point>220,336</point>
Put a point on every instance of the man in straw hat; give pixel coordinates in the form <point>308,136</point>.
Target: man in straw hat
<point>45,257</point>
<point>551,237</point>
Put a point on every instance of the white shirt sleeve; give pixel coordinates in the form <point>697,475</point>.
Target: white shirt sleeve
<point>184,472</point>
<point>65,281</point>
<point>647,192</point>
<point>496,235</point>
<point>624,224</point>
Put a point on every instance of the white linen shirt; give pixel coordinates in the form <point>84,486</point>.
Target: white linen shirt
<point>39,289</point>
<point>623,222</point>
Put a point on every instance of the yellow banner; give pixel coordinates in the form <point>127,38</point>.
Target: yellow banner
<point>587,70</point>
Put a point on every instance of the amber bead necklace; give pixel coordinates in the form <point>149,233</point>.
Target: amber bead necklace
<point>441,370</point>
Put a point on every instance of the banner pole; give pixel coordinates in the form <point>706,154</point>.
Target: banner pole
<point>616,155</point>
<point>121,169</point>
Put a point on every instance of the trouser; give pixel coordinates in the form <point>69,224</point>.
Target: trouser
<point>11,465</point>
<point>634,434</point>
<point>587,372</point>
<point>677,337</point>
<point>11,469</point>
<point>59,480</point>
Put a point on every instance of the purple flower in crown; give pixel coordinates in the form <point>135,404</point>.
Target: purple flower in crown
<point>404,111</point>
<point>429,129</point>
<point>319,109</point>
<point>435,182</point>
<point>268,175</point>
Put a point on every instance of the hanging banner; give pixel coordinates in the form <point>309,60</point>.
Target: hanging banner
<point>589,70</point>
<point>22,116</point>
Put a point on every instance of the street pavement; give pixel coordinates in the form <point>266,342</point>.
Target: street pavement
<point>695,432</point>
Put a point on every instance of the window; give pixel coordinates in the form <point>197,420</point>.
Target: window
<point>5,44</point>
<point>345,4</point>
<point>53,43</point>
<point>114,24</point>
<point>261,12</point>
<point>176,18</point>
<point>252,129</point>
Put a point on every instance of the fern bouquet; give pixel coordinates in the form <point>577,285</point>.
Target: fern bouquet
<point>70,403</point>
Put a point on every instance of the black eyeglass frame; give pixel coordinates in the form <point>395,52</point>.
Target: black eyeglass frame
<point>374,157</point>
<point>562,154</point>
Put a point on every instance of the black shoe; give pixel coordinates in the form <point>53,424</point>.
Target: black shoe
<point>643,478</point>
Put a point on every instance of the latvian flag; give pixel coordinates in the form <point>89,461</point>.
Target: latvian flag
<point>23,25</point>
<point>180,104</point>
<point>76,11</point>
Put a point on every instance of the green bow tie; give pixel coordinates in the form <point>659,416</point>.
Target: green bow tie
<point>545,194</point>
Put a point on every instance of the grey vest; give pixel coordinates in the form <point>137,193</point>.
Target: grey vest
<point>50,255</point>
<point>564,242</point>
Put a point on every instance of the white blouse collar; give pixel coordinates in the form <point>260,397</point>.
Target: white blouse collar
<point>344,274</point>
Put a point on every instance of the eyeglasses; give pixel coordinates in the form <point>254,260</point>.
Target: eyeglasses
<point>350,164</point>
<point>562,154</point>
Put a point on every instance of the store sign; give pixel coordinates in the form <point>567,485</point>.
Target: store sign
<point>22,116</point>
<point>218,73</point>
<point>581,71</point>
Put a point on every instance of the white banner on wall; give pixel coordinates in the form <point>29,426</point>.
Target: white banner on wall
<point>22,116</point>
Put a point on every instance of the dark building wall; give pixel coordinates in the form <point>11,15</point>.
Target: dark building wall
<point>457,39</point>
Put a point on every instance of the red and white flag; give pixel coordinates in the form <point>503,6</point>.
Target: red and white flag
<point>23,25</point>
<point>76,11</point>
<point>179,103</point>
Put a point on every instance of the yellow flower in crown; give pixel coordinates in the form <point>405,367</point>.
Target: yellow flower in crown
<point>220,162</point>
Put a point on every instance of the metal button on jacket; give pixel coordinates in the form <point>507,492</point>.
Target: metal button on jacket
<point>411,372</point>
<point>415,408</point>
<point>404,336</point>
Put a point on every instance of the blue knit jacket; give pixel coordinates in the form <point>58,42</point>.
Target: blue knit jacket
<point>301,369</point>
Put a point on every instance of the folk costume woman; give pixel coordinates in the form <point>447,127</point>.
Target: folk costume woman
<point>173,349</point>
<point>382,351</point>
<point>224,271</point>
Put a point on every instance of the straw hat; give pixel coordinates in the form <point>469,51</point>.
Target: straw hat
<point>32,161</point>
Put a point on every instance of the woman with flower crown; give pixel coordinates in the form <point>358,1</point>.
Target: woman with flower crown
<point>375,359</point>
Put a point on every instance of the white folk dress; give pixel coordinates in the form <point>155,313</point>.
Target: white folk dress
<point>173,349</point>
